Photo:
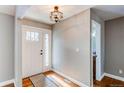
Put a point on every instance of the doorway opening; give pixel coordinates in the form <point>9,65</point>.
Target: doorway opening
<point>96,50</point>
<point>36,51</point>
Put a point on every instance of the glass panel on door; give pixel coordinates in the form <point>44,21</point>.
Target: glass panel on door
<point>46,62</point>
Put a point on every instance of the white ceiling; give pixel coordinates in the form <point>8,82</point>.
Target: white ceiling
<point>42,12</point>
<point>107,12</point>
<point>7,9</point>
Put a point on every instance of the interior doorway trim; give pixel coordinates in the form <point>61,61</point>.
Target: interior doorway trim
<point>98,52</point>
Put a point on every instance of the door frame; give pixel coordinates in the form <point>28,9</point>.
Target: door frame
<point>50,38</point>
<point>98,74</point>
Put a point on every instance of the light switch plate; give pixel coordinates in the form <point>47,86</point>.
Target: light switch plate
<point>77,50</point>
<point>120,71</point>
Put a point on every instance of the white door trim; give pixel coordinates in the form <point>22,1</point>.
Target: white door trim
<point>98,50</point>
<point>48,30</point>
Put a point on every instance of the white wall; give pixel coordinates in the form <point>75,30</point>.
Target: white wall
<point>6,47</point>
<point>71,47</point>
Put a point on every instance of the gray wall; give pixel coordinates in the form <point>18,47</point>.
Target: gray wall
<point>114,39</point>
<point>69,36</point>
<point>95,17</point>
<point>6,47</point>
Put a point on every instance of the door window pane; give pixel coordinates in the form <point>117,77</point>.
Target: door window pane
<point>28,35</point>
<point>46,50</point>
<point>32,36</point>
<point>36,36</point>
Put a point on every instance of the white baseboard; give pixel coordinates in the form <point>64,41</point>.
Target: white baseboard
<point>71,79</point>
<point>114,76</point>
<point>101,77</point>
<point>111,76</point>
<point>7,82</point>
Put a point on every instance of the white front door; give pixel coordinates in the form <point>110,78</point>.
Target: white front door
<point>35,51</point>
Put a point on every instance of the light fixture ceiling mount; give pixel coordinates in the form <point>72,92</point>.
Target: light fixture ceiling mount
<point>56,15</point>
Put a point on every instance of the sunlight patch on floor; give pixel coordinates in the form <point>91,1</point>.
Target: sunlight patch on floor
<point>62,82</point>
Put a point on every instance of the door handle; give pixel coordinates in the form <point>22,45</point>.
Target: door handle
<point>41,52</point>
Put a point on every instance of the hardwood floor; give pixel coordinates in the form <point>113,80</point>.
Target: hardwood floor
<point>63,81</point>
<point>26,82</point>
<point>108,82</point>
<point>55,77</point>
<point>105,82</point>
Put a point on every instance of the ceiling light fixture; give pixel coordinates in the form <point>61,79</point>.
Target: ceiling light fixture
<point>56,15</point>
